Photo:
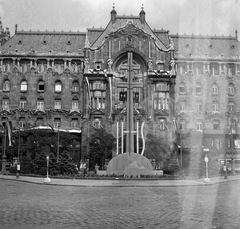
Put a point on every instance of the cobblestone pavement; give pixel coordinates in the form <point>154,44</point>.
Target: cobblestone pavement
<point>27,205</point>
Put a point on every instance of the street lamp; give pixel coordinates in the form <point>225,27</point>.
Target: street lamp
<point>180,148</point>
<point>206,180</point>
<point>47,179</point>
<point>206,159</point>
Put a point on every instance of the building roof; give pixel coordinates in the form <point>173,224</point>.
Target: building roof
<point>38,42</point>
<point>121,22</point>
<point>207,47</point>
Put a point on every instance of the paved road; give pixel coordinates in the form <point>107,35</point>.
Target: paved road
<point>27,205</point>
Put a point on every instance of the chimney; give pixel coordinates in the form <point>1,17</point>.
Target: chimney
<point>236,34</point>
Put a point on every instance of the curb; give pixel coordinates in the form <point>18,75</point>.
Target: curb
<point>133,184</point>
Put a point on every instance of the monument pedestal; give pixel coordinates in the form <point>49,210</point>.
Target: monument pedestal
<point>132,165</point>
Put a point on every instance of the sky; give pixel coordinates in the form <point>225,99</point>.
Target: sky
<point>206,17</point>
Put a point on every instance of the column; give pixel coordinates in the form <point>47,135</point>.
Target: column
<point>65,64</point>
<point>47,63</point>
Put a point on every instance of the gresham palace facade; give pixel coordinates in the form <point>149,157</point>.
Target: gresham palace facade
<point>185,87</point>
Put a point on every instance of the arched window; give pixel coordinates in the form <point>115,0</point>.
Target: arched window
<point>58,86</point>
<point>97,123</point>
<point>23,86</point>
<point>75,87</point>
<point>41,86</point>
<point>6,85</point>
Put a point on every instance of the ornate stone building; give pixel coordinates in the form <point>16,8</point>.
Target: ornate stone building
<point>75,80</point>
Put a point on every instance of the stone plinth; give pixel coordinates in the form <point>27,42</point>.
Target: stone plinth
<point>130,165</point>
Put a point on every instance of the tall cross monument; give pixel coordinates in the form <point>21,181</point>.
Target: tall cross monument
<point>130,67</point>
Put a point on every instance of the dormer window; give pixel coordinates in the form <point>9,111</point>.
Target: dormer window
<point>69,42</point>
<point>44,42</point>
<point>19,42</point>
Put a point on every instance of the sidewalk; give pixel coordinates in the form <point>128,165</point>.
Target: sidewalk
<point>119,182</point>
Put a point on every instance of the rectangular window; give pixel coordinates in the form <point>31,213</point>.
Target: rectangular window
<point>22,123</point>
<point>199,125</point>
<point>57,104</point>
<point>74,123</point>
<point>56,123</point>
<point>40,105</point>
<point>198,90</point>
<point>231,106</point>
<point>5,104</point>
<point>39,122</point>
<point>75,105</point>
<point>199,107</point>
<point>215,107</point>
<point>216,124</point>
<point>183,125</point>
<point>182,107</point>
<point>23,104</point>
<point>161,100</point>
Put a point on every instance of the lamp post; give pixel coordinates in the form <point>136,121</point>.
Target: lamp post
<point>4,161</point>
<point>47,179</point>
<point>206,159</point>
<point>58,143</point>
<point>232,150</point>
<point>18,162</point>
<point>180,148</point>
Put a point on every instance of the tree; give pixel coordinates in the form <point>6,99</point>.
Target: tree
<point>66,165</point>
<point>157,149</point>
<point>101,146</point>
